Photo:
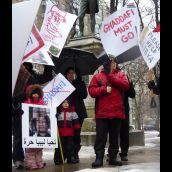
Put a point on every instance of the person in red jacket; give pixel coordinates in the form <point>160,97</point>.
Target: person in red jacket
<point>107,87</point>
<point>68,125</point>
<point>33,156</point>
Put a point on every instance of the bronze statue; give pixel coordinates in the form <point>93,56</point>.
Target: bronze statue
<point>90,7</point>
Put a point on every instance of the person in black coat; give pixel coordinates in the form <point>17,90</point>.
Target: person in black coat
<point>155,87</point>
<point>77,100</point>
<point>18,153</point>
<point>124,131</point>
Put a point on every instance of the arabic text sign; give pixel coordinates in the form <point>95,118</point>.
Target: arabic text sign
<point>118,31</point>
<point>57,91</point>
<point>55,28</point>
<point>39,127</point>
<point>150,47</point>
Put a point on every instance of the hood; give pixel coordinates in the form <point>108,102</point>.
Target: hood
<point>34,88</point>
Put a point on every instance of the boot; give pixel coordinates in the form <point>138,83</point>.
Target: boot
<point>113,158</point>
<point>99,159</point>
<point>77,149</point>
<point>57,157</point>
<point>71,160</point>
<point>123,156</point>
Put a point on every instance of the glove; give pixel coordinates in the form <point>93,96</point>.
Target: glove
<point>20,112</point>
<point>106,66</point>
<point>57,114</point>
<point>17,110</point>
<point>151,85</point>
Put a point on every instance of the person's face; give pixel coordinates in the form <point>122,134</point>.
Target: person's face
<point>41,124</point>
<point>35,96</point>
<point>65,104</point>
<point>71,75</point>
<point>113,64</point>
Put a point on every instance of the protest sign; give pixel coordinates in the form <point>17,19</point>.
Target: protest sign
<point>41,56</point>
<point>119,31</point>
<point>39,127</point>
<point>57,91</point>
<point>35,51</point>
<point>34,43</point>
<point>149,44</point>
<point>55,28</point>
<point>23,16</point>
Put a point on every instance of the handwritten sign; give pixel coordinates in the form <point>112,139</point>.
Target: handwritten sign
<point>57,91</point>
<point>149,44</point>
<point>40,57</point>
<point>39,127</point>
<point>55,28</point>
<point>119,31</point>
<point>34,43</point>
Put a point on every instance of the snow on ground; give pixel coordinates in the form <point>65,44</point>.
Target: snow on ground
<point>139,167</point>
<point>151,140</point>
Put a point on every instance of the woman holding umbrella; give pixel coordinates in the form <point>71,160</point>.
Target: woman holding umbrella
<point>77,100</point>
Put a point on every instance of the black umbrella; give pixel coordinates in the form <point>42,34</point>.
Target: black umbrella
<point>85,61</point>
<point>128,55</point>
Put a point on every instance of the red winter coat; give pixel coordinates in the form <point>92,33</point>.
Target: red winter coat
<point>68,122</point>
<point>109,105</point>
<point>33,156</point>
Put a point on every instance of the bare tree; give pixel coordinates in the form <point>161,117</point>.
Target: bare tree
<point>113,6</point>
<point>156,2</point>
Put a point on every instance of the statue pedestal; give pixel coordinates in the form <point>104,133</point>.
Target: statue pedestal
<point>88,43</point>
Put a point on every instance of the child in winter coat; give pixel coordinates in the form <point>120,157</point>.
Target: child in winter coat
<point>33,156</point>
<point>68,125</point>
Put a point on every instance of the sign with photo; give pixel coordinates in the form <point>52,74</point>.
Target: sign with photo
<point>39,127</point>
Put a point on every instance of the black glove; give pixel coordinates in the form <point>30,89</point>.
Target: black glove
<point>57,114</point>
<point>106,66</point>
<point>151,85</point>
<point>16,109</point>
<point>20,112</point>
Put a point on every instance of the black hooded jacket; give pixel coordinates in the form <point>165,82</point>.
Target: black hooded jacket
<point>79,94</point>
<point>130,93</point>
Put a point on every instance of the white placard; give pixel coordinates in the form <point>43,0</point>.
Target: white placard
<point>119,31</point>
<point>40,57</point>
<point>57,91</point>
<point>149,45</point>
<point>55,28</point>
<point>23,16</point>
<point>39,127</point>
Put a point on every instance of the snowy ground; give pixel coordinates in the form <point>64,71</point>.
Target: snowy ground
<point>151,140</point>
<point>140,167</point>
<point>87,152</point>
